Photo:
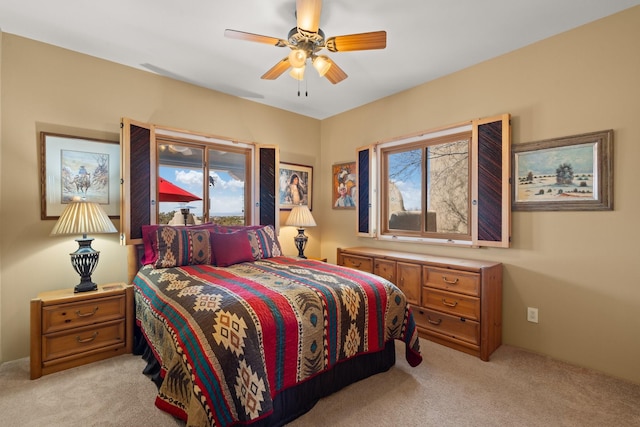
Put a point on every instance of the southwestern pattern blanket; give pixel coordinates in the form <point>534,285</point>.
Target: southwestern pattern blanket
<point>241,334</point>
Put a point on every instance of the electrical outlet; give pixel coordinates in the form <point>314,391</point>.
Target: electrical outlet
<point>532,314</point>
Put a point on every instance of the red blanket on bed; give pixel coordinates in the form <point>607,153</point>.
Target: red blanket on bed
<point>239,335</point>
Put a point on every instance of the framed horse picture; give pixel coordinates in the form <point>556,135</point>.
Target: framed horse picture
<point>75,167</point>
<point>344,185</point>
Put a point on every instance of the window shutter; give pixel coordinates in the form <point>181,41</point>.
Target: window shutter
<point>268,189</point>
<point>491,189</point>
<point>137,206</point>
<point>365,167</point>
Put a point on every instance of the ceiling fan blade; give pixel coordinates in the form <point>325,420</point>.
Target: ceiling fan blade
<point>241,35</point>
<point>335,73</point>
<point>308,15</point>
<point>362,41</point>
<point>277,70</point>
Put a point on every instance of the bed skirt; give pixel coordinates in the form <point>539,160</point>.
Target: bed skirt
<point>296,401</point>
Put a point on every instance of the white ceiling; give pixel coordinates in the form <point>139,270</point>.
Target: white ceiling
<point>426,39</point>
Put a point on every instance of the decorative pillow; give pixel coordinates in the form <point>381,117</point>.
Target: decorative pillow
<point>150,244</point>
<point>231,248</point>
<point>264,242</point>
<point>182,246</point>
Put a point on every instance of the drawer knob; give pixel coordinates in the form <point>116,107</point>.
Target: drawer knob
<point>79,314</point>
<point>434,322</point>
<point>86,340</point>
<point>449,304</point>
<point>449,282</point>
<point>356,265</point>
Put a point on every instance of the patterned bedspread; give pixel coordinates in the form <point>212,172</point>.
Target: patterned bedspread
<point>241,334</point>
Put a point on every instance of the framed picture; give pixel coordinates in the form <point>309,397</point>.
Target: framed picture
<point>72,166</point>
<point>569,173</point>
<point>295,185</point>
<point>344,185</point>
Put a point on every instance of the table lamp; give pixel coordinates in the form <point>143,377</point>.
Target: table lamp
<point>301,217</point>
<point>82,217</point>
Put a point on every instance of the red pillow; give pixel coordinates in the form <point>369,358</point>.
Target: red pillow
<point>231,248</point>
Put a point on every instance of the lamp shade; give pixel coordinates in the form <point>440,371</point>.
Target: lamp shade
<point>321,64</point>
<point>300,216</point>
<point>81,217</point>
<point>297,58</point>
<point>297,73</point>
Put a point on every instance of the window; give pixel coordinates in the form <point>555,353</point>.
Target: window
<point>222,199</point>
<point>426,189</point>
<point>176,177</point>
<point>447,186</point>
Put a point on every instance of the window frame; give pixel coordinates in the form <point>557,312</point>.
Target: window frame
<point>488,185</point>
<point>139,160</point>
<point>427,141</point>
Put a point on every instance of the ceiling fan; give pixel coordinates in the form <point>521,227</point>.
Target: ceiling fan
<point>307,39</point>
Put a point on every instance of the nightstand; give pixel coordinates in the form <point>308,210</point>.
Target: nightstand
<point>71,329</point>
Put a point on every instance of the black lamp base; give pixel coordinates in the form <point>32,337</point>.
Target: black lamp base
<point>301,242</point>
<point>84,261</point>
<point>85,287</point>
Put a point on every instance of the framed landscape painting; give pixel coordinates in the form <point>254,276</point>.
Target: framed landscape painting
<point>72,167</point>
<point>569,173</point>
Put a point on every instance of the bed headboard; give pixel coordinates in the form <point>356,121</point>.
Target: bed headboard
<point>134,255</point>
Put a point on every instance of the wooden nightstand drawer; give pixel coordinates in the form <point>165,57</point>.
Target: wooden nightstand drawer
<point>452,280</point>
<point>81,340</point>
<point>70,315</point>
<point>358,262</point>
<point>453,303</point>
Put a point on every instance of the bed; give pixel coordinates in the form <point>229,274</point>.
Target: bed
<point>241,335</point>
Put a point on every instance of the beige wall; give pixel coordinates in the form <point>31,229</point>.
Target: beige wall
<point>52,89</point>
<point>580,269</point>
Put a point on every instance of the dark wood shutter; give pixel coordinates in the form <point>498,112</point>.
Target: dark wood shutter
<point>136,173</point>
<point>268,179</point>
<point>493,189</point>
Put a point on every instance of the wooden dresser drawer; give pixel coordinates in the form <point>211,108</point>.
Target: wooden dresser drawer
<point>452,280</point>
<point>69,315</point>
<point>81,340</point>
<point>358,262</point>
<point>453,303</point>
<point>452,326</point>
<point>385,268</point>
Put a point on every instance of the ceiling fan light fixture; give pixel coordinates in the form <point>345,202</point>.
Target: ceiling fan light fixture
<point>297,58</point>
<point>297,73</point>
<point>321,64</point>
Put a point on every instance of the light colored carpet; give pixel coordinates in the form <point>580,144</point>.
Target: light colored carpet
<point>516,388</point>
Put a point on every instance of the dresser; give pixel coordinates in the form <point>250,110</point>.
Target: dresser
<point>455,302</point>
<point>71,329</point>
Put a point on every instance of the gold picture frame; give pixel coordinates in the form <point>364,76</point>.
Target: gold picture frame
<point>344,185</point>
<point>292,192</point>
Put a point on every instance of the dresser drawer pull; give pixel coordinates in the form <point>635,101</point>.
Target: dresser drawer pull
<point>434,322</point>
<point>356,265</point>
<point>450,282</point>
<point>87,314</point>
<point>86,340</point>
<point>449,304</point>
